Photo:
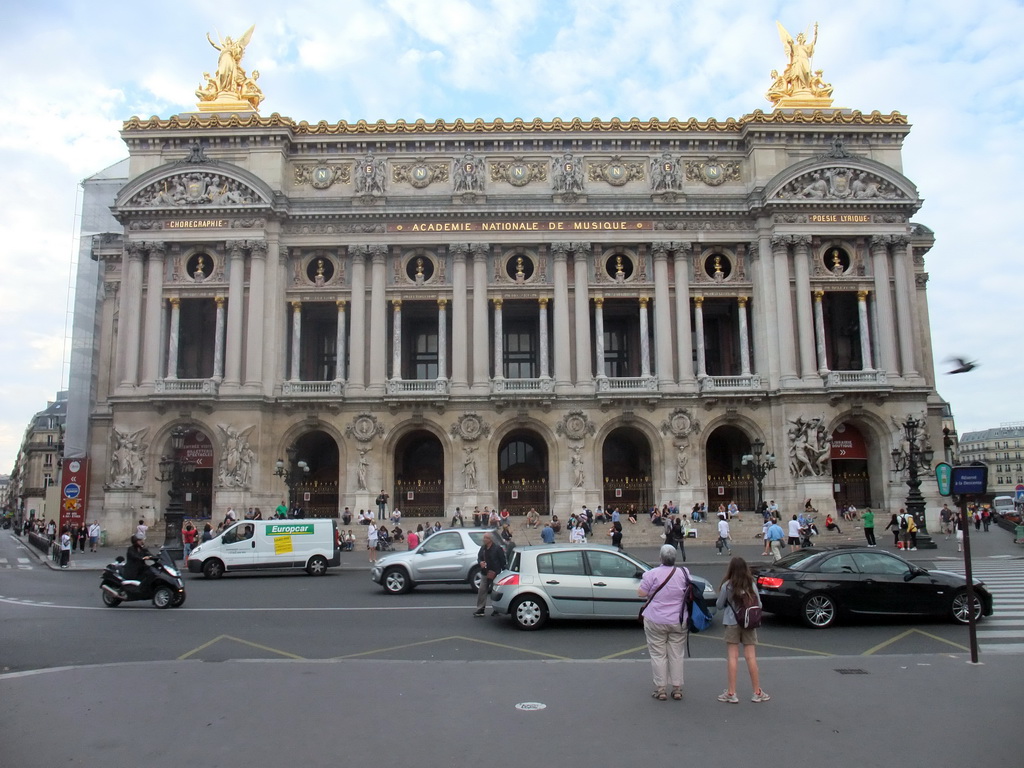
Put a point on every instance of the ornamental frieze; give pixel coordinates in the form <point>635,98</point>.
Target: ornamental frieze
<point>839,183</point>
<point>712,171</point>
<point>470,427</point>
<point>364,428</point>
<point>615,172</point>
<point>419,174</point>
<point>322,176</point>
<point>575,426</point>
<point>680,423</point>
<point>518,172</point>
<point>195,188</point>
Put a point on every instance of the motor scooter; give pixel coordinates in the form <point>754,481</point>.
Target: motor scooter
<point>165,587</point>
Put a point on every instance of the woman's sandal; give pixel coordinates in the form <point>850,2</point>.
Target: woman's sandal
<point>677,694</point>
<point>660,695</point>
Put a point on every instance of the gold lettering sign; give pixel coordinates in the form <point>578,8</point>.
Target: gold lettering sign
<point>839,218</point>
<point>604,225</point>
<point>195,223</point>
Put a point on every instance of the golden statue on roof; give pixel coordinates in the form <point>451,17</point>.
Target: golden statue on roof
<point>230,89</point>
<point>799,85</point>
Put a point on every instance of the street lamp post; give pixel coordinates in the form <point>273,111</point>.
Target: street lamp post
<point>758,467</point>
<point>912,460</point>
<point>175,469</point>
<point>293,473</point>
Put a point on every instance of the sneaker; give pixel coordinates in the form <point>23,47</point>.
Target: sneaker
<point>760,696</point>
<point>479,613</point>
<point>730,698</point>
<point>913,549</point>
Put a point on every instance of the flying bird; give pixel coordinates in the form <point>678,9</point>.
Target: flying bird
<point>963,366</point>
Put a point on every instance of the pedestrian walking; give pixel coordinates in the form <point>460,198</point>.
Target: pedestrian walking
<point>723,536</point>
<point>65,548</point>
<point>371,542</point>
<point>492,562</point>
<point>894,524</point>
<point>868,519</point>
<point>664,617</point>
<point>140,531</point>
<point>737,593</point>
<point>94,535</point>
<point>676,536</point>
<point>775,538</point>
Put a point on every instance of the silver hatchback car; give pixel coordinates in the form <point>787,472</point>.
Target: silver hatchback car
<point>582,581</point>
<point>446,557</point>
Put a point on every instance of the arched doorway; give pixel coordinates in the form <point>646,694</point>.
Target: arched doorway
<point>626,468</point>
<point>317,493</point>
<point>197,486</point>
<point>727,481</point>
<point>523,474</point>
<point>850,475</point>
<point>419,476</point>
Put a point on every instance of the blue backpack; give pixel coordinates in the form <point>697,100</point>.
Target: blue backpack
<point>700,617</point>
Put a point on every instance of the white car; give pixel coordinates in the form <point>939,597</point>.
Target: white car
<point>573,581</point>
<point>446,557</point>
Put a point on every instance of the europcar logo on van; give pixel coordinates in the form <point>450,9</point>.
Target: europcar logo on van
<point>290,530</point>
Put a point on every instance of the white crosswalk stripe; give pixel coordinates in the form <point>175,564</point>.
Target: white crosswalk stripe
<point>1003,631</point>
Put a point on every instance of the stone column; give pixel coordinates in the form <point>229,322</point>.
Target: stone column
<point>339,343</point>
<point>499,362</point>
<point>662,320</point>
<point>154,315</point>
<point>645,340</point>
<point>784,304</point>
<point>885,336</point>
<point>236,289</point>
<point>296,339</point>
<point>563,368</point>
<point>378,320</point>
<point>744,337</point>
<point>460,321</point>
<point>172,338</point>
<point>254,332</point>
<point>442,338</point>
<point>542,325</point>
<point>804,313</point>
<point>481,384</point>
<point>599,336</point>
<point>684,342</point>
<point>764,322</point>
<point>218,342</point>
<point>906,288</point>
<point>865,330</point>
<point>274,312</point>
<point>584,370</point>
<point>698,322</point>
<point>396,339</point>
<point>819,333</point>
<point>357,328</point>
<point>130,315</point>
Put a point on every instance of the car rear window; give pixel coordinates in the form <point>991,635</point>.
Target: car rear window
<point>513,564</point>
<point>797,561</point>
<point>564,563</point>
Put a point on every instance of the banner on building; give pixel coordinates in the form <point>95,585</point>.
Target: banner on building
<point>198,449</point>
<point>74,492</point>
<point>848,443</point>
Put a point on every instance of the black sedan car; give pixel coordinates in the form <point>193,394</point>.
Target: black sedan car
<point>819,584</point>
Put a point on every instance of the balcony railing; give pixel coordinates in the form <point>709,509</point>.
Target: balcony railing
<point>626,384</point>
<point>542,386</point>
<point>730,383</point>
<point>312,388</point>
<point>417,387</point>
<point>186,387</point>
<point>856,379</point>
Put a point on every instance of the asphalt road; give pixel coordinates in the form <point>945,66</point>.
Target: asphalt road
<point>56,618</point>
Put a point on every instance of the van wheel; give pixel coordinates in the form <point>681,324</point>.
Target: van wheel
<point>475,577</point>
<point>213,568</point>
<point>317,565</point>
<point>163,597</point>
<point>396,581</point>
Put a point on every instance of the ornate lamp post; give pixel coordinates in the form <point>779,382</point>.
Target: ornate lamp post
<point>912,460</point>
<point>758,467</point>
<point>175,469</point>
<point>293,473</point>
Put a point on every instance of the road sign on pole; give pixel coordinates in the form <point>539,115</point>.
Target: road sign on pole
<point>944,477</point>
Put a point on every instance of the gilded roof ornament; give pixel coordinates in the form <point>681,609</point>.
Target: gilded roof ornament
<point>230,89</point>
<point>800,86</point>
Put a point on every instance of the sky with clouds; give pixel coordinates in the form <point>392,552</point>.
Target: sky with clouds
<point>74,70</point>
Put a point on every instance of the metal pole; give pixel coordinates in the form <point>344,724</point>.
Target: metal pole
<point>972,627</point>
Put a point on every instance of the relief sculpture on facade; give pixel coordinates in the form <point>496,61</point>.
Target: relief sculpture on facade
<point>128,459</point>
<point>810,447</point>
<point>237,459</point>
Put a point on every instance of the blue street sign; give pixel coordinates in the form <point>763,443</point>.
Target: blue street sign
<point>970,480</point>
<point>71,490</point>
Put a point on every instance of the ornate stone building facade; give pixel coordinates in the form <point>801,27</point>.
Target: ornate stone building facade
<point>518,314</point>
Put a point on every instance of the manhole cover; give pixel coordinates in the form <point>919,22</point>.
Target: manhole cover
<point>530,706</point>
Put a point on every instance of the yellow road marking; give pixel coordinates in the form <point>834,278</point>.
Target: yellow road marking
<point>703,636</point>
<point>217,639</point>
<point>453,637</point>
<point>908,633</point>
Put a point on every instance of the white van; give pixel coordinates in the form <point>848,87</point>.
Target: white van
<point>1003,505</point>
<point>251,545</point>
